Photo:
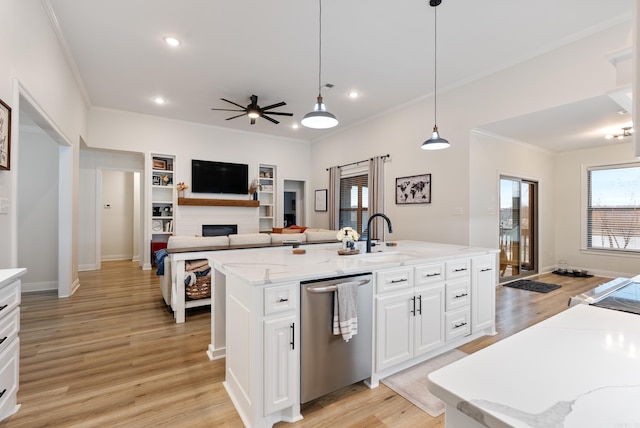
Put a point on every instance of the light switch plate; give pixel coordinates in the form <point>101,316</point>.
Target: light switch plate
<point>4,206</point>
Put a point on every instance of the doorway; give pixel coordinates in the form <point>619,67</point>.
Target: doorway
<point>518,235</point>
<point>293,203</point>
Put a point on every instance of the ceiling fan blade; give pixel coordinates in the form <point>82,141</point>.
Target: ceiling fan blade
<point>231,102</point>
<point>225,109</point>
<point>278,113</point>
<point>271,120</point>
<point>229,118</point>
<point>253,121</point>
<point>280,104</point>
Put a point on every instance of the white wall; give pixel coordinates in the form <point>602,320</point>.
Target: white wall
<point>38,209</point>
<point>570,210</point>
<point>117,215</point>
<point>31,55</point>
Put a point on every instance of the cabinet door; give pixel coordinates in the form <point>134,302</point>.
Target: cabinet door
<point>483,290</point>
<point>429,327</point>
<point>280,364</point>
<point>395,329</point>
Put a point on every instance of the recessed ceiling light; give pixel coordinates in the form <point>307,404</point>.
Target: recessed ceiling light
<point>172,41</point>
<point>295,126</point>
<point>159,100</point>
<point>354,94</point>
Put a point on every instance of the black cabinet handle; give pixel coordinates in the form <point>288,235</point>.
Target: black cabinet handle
<point>293,336</point>
<point>460,325</point>
<point>395,281</point>
<point>413,306</point>
<point>457,296</point>
<point>3,307</point>
<point>2,393</point>
<point>429,275</point>
<point>283,300</point>
<point>3,339</point>
<point>420,302</point>
<point>460,270</point>
<point>485,270</point>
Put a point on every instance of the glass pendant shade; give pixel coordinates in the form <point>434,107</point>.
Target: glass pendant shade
<point>319,118</point>
<point>435,142</point>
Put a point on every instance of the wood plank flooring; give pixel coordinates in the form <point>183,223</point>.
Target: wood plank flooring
<point>112,356</point>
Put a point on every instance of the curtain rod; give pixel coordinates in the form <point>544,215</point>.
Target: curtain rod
<point>356,163</point>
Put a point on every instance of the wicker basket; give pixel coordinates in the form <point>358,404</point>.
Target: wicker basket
<point>201,289</point>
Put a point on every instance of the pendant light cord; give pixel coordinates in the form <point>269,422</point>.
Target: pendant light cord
<point>435,65</point>
<point>320,50</point>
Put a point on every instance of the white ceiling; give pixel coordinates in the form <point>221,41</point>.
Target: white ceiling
<point>381,48</point>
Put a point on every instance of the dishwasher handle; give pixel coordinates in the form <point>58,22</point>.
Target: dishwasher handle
<point>332,288</point>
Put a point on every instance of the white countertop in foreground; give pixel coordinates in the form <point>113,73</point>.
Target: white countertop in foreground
<point>580,368</point>
<point>10,275</point>
<point>271,265</point>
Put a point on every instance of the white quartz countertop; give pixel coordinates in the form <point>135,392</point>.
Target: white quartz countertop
<point>10,275</point>
<point>272,265</point>
<point>577,369</point>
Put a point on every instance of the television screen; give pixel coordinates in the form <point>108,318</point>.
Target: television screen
<point>219,177</point>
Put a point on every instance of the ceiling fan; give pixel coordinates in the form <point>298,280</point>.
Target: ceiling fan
<point>254,111</point>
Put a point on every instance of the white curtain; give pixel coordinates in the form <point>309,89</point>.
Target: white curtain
<point>376,195</point>
<point>333,198</point>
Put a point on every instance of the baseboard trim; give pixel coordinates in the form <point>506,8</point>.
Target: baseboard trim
<point>33,287</point>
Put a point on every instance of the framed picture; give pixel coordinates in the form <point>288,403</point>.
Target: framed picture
<point>413,190</point>
<point>156,180</point>
<point>159,164</point>
<point>5,136</point>
<point>321,200</point>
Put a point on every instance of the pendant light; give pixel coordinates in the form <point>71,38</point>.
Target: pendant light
<point>435,142</point>
<point>319,118</point>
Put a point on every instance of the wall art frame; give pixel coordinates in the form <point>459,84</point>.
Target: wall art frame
<point>5,136</point>
<point>415,189</point>
<point>320,202</point>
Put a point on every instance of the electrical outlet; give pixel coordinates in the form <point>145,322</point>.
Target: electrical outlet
<point>457,211</point>
<point>4,206</point>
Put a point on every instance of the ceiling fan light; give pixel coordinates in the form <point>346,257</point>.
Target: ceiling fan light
<point>319,118</point>
<point>435,142</point>
<point>253,114</point>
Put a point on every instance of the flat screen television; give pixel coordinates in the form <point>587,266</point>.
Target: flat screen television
<point>219,177</point>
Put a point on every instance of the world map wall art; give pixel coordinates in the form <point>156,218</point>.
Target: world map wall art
<point>413,190</point>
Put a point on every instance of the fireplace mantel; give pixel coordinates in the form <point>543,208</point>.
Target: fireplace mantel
<point>218,202</point>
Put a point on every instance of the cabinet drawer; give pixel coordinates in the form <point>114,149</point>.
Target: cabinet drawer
<point>429,274</point>
<point>458,294</point>
<point>396,279</point>
<point>9,298</point>
<point>459,268</point>
<point>280,298</point>
<point>456,324</point>
<point>9,364</point>
<point>9,327</point>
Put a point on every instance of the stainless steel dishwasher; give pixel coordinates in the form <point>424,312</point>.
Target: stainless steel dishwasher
<point>327,362</point>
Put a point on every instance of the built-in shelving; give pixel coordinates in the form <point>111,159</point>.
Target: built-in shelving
<point>267,197</point>
<point>162,177</point>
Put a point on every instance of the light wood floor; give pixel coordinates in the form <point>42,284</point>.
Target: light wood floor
<point>111,356</point>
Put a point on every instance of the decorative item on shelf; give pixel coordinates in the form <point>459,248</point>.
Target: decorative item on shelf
<point>348,236</point>
<point>165,180</point>
<point>253,188</point>
<point>181,187</point>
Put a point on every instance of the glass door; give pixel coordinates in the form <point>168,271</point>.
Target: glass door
<point>518,227</point>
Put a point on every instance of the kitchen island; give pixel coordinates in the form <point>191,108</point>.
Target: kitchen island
<point>428,297</point>
<point>580,368</point>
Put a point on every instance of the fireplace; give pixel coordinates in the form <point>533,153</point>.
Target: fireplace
<point>219,229</point>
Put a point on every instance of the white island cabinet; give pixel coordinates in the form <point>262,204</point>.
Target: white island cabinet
<point>9,342</point>
<point>424,304</point>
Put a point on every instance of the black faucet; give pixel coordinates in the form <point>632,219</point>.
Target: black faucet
<point>369,228</point>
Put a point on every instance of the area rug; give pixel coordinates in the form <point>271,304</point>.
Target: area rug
<point>412,382</point>
<point>527,284</point>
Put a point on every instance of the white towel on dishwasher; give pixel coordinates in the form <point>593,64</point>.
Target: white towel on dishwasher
<point>345,310</point>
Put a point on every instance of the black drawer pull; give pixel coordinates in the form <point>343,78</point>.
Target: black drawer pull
<point>432,274</point>
<point>3,339</point>
<point>460,325</point>
<point>460,270</point>
<point>395,281</point>
<point>485,270</point>
<point>3,307</point>
<point>2,393</point>
<point>293,336</point>
<point>413,306</point>
<point>457,296</point>
<point>282,299</point>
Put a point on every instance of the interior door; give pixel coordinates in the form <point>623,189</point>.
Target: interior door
<point>518,227</point>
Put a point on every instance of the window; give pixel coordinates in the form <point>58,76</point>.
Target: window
<point>354,202</point>
<point>613,208</point>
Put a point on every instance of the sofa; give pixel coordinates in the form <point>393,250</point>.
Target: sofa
<point>174,262</point>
